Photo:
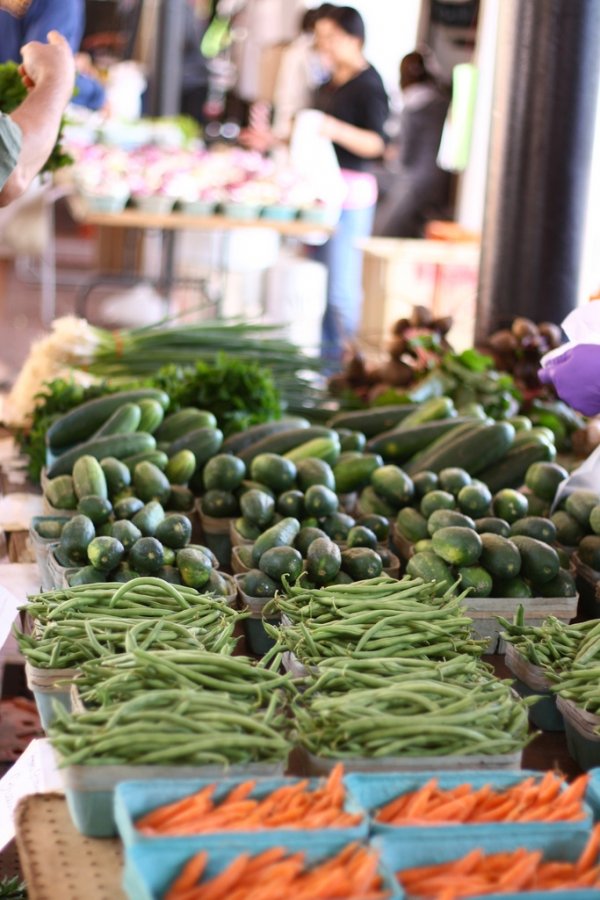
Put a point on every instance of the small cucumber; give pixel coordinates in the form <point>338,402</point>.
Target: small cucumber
<point>152,415</point>
<point>279,535</point>
<point>123,421</point>
<point>60,493</point>
<point>89,478</point>
<point>323,561</point>
<point>179,424</point>
<point>117,474</point>
<point>203,442</point>
<point>150,483</point>
<point>157,457</point>
<point>356,473</point>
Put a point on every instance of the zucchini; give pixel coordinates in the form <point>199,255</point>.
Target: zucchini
<point>372,421</point>
<point>235,443</point>
<point>510,472</point>
<point>398,445</point>
<point>124,420</point>
<point>203,442</point>
<point>117,445</point>
<point>474,451</point>
<point>419,461</point>
<point>436,408</point>
<point>285,441</point>
<point>81,423</point>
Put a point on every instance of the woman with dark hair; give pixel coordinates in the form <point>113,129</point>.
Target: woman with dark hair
<point>355,105</point>
<point>418,188</point>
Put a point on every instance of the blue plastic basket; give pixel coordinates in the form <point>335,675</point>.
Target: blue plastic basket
<point>593,793</point>
<point>371,791</point>
<point>427,853</point>
<point>150,869</point>
<point>136,798</point>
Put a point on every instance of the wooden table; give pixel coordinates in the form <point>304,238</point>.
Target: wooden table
<point>170,225</point>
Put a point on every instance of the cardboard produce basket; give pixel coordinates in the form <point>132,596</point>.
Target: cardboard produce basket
<point>46,689</point>
<point>582,741</point>
<point>41,546</point>
<point>588,586</point>
<point>259,642</point>
<point>320,765</point>
<point>531,680</point>
<point>238,565</point>
<point>484,612</point>
<point>217,535</point>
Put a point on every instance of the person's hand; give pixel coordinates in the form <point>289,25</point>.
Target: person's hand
<point>257,139</point>
<point>330,128</point>
<point>576,377</point>
<point>50,63</point>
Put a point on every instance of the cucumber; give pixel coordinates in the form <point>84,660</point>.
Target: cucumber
<point>277,472</point>
<point>419,461</point>
<point>81,423</point>
<point>511,471</point>
<point>500,556</point>
<point>563,585</point>
<point>88,478</point>
<point>431,568</point>
<point>181,423</point>
<point>195,567</point>
<point>105,553</point>
<point>224,472</point>
<point>359,536</point>
<point>279,535</point>
<point>257,584</point>
<point>116,473</point>
<point>595,519</point>
<point>474,499</point>
<point>431,410</point>
<point>95,508</point>
<point>511,587</point>
<point>412,525</point>
<point>320,501</point>
<point>291,503</point>
<point>220,504</point>
<point>169,574</point>
<point>399,445</point>
<point>510,505</point>
<point>476,579</point>
<point>126,532</point>
<point>169,556</point>
<point>361,563</point>
<point>535,527</point>
<point>123,421</point>
<point>248,530</point>
<point>284,441</point>
<point>50,528</point>
<point>128,507</point>
<point>373,421</point>
<point>370,503</point>
<point>254,486</point>
<point>380,525</point>
<point>315,471</point>
<point>448,518</point>
<point>152,415</point>
<point>323,561</point>
<point>520,423</point>
<point>148,518</point>
<point>352,440</point>
<point>181,467</point>
<point>257,507</point>
<point>579,504</point>
<point>544,479</point>
<point>279,561</point>
<point>355,473</point>
<point>436,500</point>
<point>181,499</point>
<point>588,551</point>
<point>60,492</point>
<point>203,442</point>
<point>422,545</point>
<point>235,443</point>
<point>454,480</point>
<point>118,445</point>
<point>457,546</point>
<point>158,458</point>
<point>75,537</point>
<point>393,485</point>
<point>337,527</point>
<point>478,448</point>
<point>424,482</point>
<point>86,575</point>
<point>305,537</point>
<point>492,525</point>
<point>175,531</point>
<point>146,556</point>
<point>568,530</point>
<point>326,448</point>
<point>150,483</point>
<point>217,585</point>
<point>537,507</point>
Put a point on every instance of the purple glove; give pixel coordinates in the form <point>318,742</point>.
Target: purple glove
<point>576,377</point>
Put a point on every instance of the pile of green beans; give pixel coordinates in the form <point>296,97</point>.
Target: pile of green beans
<point>118,678</point>
<point>581,681</point>
<point>553,645</point>
<point>336,601</point>
<point>68,643</point>
<point>149,597</point>
<point>413,717</point>
<point>173,727</point>
<point>362,625</point>
<point>341,674</point>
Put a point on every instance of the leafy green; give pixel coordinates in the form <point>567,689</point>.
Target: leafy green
<point>13,888</point>
<point>475,361</point>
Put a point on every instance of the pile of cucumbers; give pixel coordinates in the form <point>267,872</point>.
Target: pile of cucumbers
<point>132,535</point>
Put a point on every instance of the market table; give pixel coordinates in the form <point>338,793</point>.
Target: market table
<point>169,225</point>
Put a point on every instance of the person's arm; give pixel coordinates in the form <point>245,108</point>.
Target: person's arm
<point>361,141</point>
<point>48,72</point>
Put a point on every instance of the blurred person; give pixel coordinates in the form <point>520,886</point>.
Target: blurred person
<point>417,189</point>
<point>24,21</point>
<point>195,76</point>
<point>29,133</point>
<point>355,107</point>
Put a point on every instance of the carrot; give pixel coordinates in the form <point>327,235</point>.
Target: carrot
<point>191,874</point>
<point>221,884</point>
<point>590,852</point>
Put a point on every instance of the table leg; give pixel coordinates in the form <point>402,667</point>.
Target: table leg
<point>167,265</point>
